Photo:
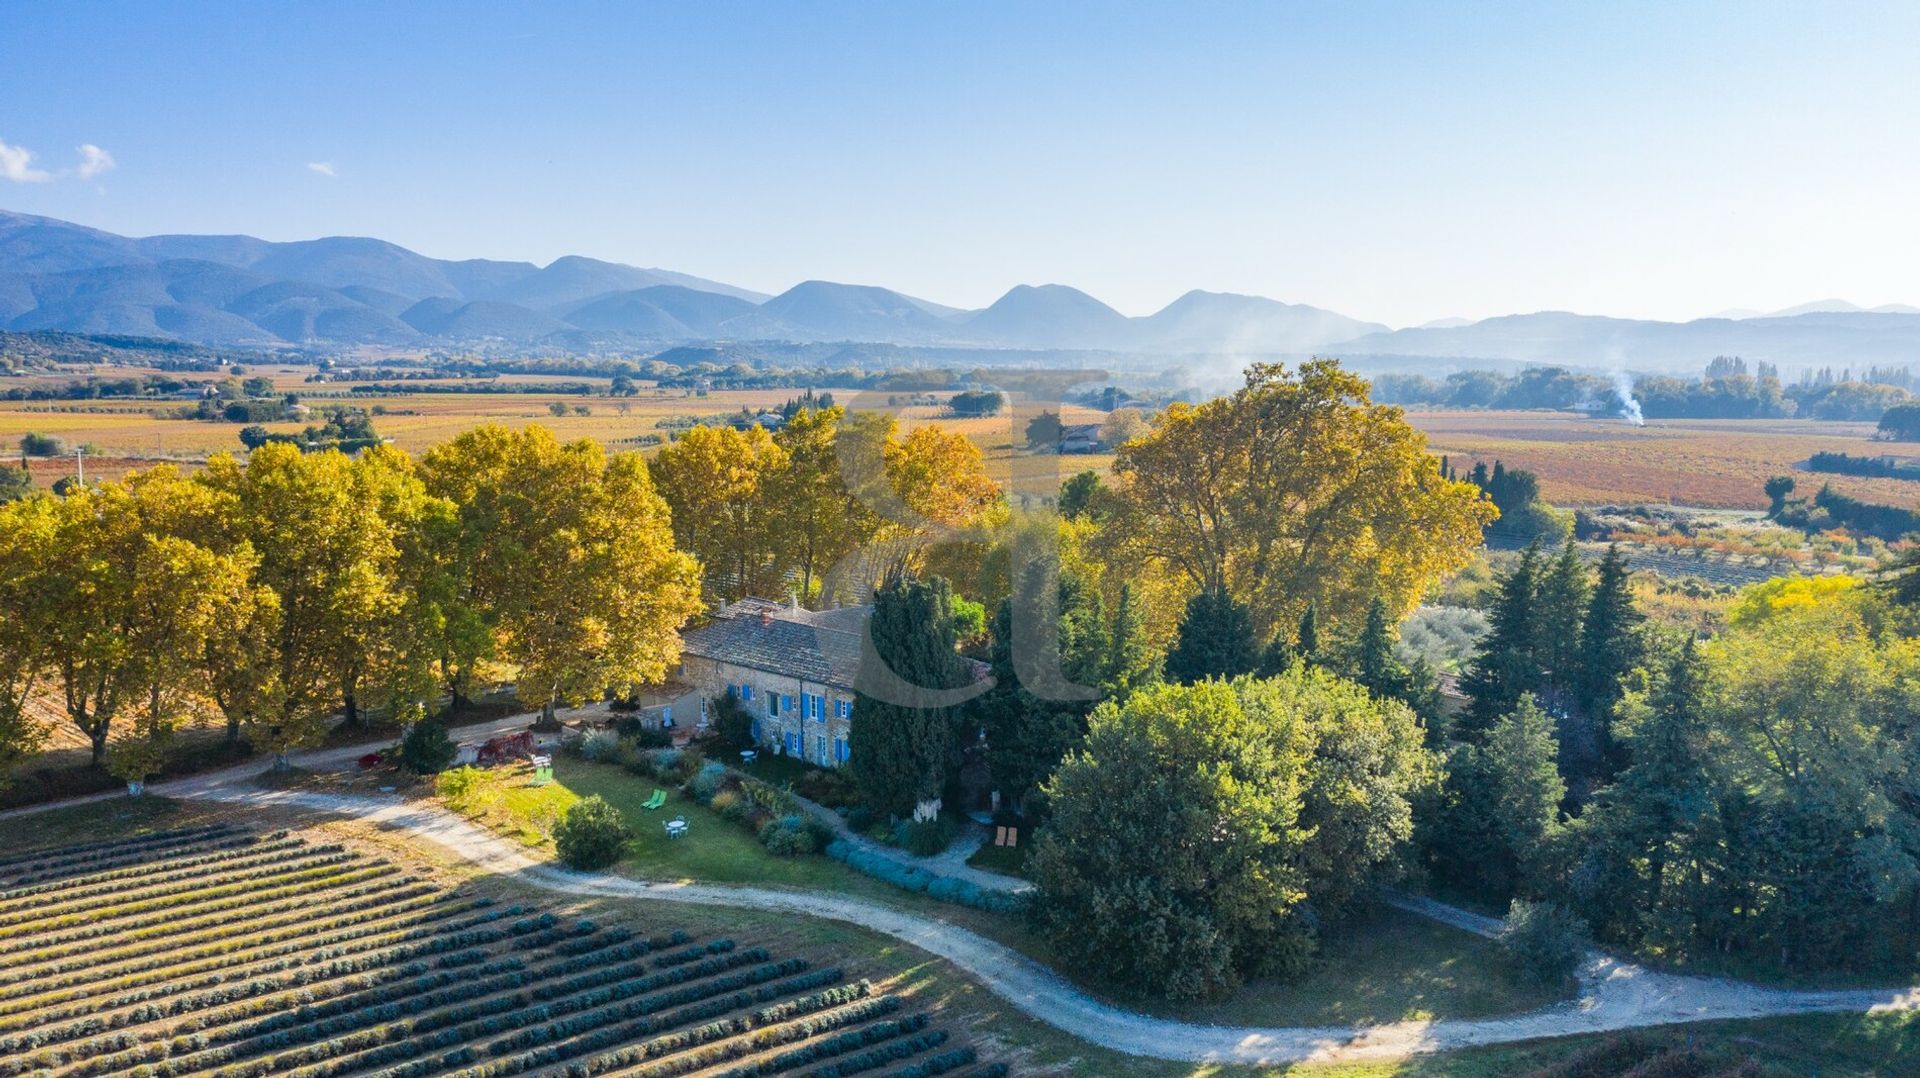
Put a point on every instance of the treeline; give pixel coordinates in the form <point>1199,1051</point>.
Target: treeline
<point>1740,797</point>
<point>281,591</point>
<point>1829,508</point>
<point>1727,390</point>
<point>1874,467</point>
<point>96,388</point>
<point>1523,518</point>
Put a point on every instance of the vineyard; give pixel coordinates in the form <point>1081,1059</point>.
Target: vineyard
<point>216,950</point>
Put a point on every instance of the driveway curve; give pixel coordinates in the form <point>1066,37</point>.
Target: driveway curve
<point>1613,994</point>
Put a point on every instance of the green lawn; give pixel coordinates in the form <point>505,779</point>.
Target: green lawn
<point>1393,966</point>
<point>114,817</point>
<point>1006,860</point>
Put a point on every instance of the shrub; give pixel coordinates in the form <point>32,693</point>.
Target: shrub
<point>787,837</point>
<point>600,746</point>
<point>426,749</point>
<point>1542,941</point>
<point>925,838</point>
<point>729,804</point>
<point>860,819</point>
<point>459,783</point>
<point>909,878</point>
<point>592,835</point>
<point>642,737</point>
<point>834,789</point>
<point>707,782</point>
<point>732,725</point>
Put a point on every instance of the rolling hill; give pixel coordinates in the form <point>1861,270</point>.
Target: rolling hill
<point>346,291</point>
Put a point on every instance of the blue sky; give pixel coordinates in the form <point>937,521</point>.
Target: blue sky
<point>1400,162</point>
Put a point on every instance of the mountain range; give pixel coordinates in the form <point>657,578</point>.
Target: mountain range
<point>345,291</point>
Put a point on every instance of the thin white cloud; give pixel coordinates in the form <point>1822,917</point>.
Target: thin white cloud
<point>16,164</point>
<point>324,168</point>
<point>93,161</point>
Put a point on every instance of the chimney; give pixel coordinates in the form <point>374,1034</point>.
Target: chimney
<point>793,600</point>
<point>766,618</point>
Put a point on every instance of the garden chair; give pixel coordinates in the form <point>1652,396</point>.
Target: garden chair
<point>658,800</point>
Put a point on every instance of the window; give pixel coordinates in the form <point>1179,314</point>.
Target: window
<point>756,731</point>
<point>840,752</point>
<point>817,711</point>
<point>773,703</point>
<point>746,693</point>
<point>820,748</point>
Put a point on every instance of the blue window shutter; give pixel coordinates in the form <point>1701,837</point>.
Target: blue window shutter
<point>756,729</point>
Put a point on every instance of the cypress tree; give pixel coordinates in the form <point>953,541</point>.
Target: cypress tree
<point>1610,647</point>
<point>1306,642</point>
<point>1215,640</point>
<point>1129,660</point>
<point>1505,667</point>
<point>1648,819</point>
<point>1280,654</point>
<point>901,751</point>
<point>1560,608</point>
<point>1374,664</point>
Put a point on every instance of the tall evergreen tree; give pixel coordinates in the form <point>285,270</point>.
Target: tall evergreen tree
<point>1304,649</point>
<point>1306,641</point>
<point>1374,664</point>
<point>902,749</point>
<point>1505,665</point>
<point>1215,640</point>
<point>1610,647</point>
<point>1029,732</point>
<point>1559,610</point>
<point>1130,661</point>
<point>1500,806</point>
<point>1645,825</point>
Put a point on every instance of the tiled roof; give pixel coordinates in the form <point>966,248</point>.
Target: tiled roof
<point>819,646</point>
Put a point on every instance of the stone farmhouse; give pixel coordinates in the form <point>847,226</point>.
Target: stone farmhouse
<point>793,669</point>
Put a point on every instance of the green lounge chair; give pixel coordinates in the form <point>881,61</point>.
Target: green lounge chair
<point>658,800</point>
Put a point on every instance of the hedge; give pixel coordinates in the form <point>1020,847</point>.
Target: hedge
<point>296,955</point>
<point>368,894</point>
<point>161,894</point>
<point>167,916</point>
<point>920,881</point>
<point>107,849</point>
<point>249,846</point>
<point>877,1033</point>
<point>174,1004</point>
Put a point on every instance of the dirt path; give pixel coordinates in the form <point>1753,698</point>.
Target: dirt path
<point>1613,994</point>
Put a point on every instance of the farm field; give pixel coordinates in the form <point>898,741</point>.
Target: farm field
<point>217,948</point>
<point>1710,463</point>
<point>1831,1046</point>
<point>123,435</point>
